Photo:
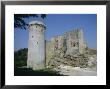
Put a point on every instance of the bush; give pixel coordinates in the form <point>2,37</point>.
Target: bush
<point>20,57</point>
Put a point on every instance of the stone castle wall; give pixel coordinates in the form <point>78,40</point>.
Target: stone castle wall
<point>69,48</point>
<point>70,43</point>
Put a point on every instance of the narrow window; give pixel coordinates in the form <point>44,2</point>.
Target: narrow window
<point>32,36</point>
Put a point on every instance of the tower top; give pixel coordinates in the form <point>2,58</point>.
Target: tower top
<point>37,23</point>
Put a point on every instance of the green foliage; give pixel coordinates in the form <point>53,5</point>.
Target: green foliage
<point>19,21</point>
<point>20,57</point>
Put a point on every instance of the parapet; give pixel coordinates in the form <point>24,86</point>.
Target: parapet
<point>39,23</point>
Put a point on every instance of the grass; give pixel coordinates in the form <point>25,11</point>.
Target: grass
<point>30,72</point>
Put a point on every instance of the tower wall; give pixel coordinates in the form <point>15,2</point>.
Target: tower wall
<point>81,41</point>
<point>36,45</point>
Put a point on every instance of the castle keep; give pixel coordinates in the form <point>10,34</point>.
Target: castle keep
<point>36,45</point>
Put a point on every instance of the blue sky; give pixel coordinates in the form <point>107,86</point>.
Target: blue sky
<point>58,24</point>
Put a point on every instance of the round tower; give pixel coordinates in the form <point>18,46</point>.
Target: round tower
<point>36,45</point>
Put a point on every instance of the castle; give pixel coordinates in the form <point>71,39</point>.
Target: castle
<point>40,51</point>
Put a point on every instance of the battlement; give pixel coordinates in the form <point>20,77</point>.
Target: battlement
<point>35,24</point>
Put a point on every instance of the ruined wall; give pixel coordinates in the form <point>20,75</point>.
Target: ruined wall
<point>48,51</point>
<point>69,43</point>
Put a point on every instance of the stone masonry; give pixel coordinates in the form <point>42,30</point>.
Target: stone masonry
<point>36,45</point>
<point>68,49</point>
<point>70,43</point>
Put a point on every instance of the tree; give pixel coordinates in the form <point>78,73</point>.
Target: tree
<point>19,21</point>
<point>20,57</point>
